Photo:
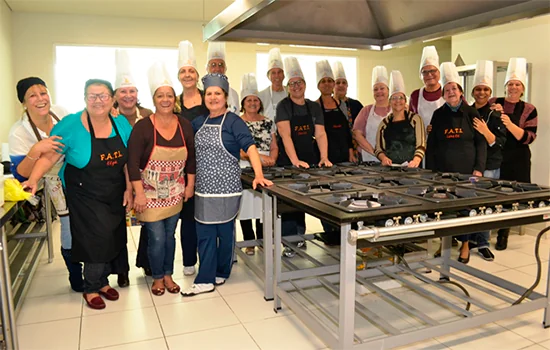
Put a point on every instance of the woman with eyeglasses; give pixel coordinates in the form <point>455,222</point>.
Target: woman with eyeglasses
<point>401,136</point>
<point>367,122</point>
<point>96,184</point>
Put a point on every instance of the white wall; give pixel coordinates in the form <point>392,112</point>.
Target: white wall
<point>530,39</point>
<point>7,84</point>
<point>39,33</point>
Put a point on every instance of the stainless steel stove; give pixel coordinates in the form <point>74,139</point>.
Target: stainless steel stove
<point>506,187</point>
<point>353,202</point>
<point>315,187</point>
<point>387,181</point>
<point>444,193</point>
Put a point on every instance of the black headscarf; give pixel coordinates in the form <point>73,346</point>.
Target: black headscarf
<point>24,84</point>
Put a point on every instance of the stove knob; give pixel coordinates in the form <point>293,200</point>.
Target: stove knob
<point>481,210</point>
<point>438,215</point>
<point>389,223</point>
<point>416,218</point>
<point>542,204</point>
<point>515,207</point>
<point>396,219</point>
<point>472,213</point>
<point>408,220</point>
<point>488,211</point>
<point>360,225</point>
<point>423,217</point>
<point>531,203</point>
<point>498,208</point>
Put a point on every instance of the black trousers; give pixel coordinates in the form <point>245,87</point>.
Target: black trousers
<point>120,264</point>
<point>95,276</point>
<point>248,231</point>
<point>142,259</point>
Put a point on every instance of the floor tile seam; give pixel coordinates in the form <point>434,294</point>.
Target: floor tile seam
<point>104,312</point>
<point>122,344</point>
<point>48,321</point>
<point>203,330</point>
<point>241,321</point>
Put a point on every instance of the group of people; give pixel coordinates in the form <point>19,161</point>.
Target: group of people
<point>183,160</point>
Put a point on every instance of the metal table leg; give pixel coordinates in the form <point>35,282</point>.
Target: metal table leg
<point>546,321</point>
<point>346,312</point>
<point>277,251</point>
<point>446,243</point>
<point>48,201</point>
<point>9,329</point>
<point>267,202</point>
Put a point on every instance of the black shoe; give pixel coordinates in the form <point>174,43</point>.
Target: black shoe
<point>75,271</point>
<point>123,280</point>
<point>486,254</point>
<point>454,242</point>
<point>502,242</point>
<point>148,271</point>
<point>472,245</point>
<point>464,261</point>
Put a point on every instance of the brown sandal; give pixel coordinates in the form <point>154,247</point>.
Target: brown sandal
<point>157,290</point>
<point>175,289</point>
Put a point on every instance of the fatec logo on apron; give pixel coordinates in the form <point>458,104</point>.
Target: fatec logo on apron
<point>110,159</point>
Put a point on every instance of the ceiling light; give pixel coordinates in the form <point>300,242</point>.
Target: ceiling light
<point>324,47</point>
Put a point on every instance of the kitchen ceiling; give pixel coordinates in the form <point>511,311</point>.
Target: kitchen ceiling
<point>370,24</point>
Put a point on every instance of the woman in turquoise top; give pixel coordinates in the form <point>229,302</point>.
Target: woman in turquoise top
<point>96,184</point>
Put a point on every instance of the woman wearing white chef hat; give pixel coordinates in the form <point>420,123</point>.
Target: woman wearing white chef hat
<point>368,120</point>
<point>427,99</point>
<point>454,145</point>
<point>401,136</point>
<point>263,133</point>
<point>216,64</point>
<point>274,93</point>
<point>520,119</point>
<point>340,145</point>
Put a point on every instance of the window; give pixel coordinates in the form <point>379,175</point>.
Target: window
<point>76,64</point>
<point>307,63</point>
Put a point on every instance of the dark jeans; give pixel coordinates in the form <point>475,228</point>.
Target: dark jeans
<point>293,224</point>
<point>248,231</point>
<point>95,276</point>
<point>188,233</point>
<point>215,243</point>
<point>162,245</point>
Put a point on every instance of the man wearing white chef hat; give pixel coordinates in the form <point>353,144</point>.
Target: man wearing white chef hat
<point>368,120</point>
<point>274,93</point>
<point>216,64</point>
<point>427,99</point>
<point>521,120</point>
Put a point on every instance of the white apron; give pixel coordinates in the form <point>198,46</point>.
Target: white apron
<point>251,202</point>
<point>427,108</point>
<point>373,121</point>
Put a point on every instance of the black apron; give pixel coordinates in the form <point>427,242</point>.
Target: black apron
<point>516,156</point>
<point>337,129</point>
<point>400,140</point>
<point>94,197</point>
<point>302,131</point>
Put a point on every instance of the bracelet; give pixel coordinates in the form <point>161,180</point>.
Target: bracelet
<point>31,158</point>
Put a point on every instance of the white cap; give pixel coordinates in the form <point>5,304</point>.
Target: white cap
<point>429,58</point>
<point>397,83</point>
<point>186,55</point>
<point>484,74</point>
<point>158,76</point>
<point>379,75</point>
<point>338,70</point>
<point>449,74</point>
<point>249,86</point>
<point>517,70</point>
<point>292,68</point>
<point>274,60</point>
<point>124,77</point>
<point>323,70</point>
<point>216,51</point>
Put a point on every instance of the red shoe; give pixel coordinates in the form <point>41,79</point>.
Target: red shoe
<point>110,294</point>
<point>96,303</point>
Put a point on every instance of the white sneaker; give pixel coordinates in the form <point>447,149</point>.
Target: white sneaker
<point>198,289</point>
<point>219,281</point>
<point>189,270</point>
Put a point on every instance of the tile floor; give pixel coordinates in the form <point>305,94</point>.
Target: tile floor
<point>235,316</point>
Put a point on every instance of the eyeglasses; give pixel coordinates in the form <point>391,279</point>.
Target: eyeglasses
<point>296,83</point>
<point>397,98</point>
<point>93,97</point>
<point>429,72</point>
<point>219,64</point>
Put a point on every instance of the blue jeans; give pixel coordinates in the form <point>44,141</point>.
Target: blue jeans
<point>162,245</point>
<point>66,238</point>
<point>216,243</point>
<point>481,238</point>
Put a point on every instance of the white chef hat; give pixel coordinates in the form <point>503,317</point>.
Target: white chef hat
<point>397,83</point>
<point>338,70</point>
<point>449,74</point>
<point>274,60</point>
<point>379,75</point>
<point>158,76</point>
<point>249,86</point>
<point>124,76</point>
<point>517,70</point>
<point>186,56</point>
<point>323,70</point>
<point>216,51</point>
<point>484,74</point>
<point>429,58</point>
<point>292,68</point>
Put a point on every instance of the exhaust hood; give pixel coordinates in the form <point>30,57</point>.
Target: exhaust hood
<point>362,24</point>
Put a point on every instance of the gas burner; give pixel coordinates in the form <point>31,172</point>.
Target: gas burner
<point>365,201</point>
<point>383,182</point>
<point>278,173</point>
<point>444,193</point>
<point>506,187</point>
<point>447,178</point>
<point>396,169</point>
<point>322,171</point>
<point>319,187</point>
